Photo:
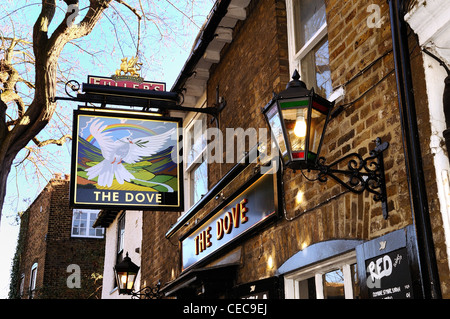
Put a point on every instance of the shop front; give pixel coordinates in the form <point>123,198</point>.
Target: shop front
<point>212,251</point>
<point>224,254</point>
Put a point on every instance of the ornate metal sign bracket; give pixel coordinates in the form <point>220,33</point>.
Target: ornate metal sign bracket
<point>108,95</point>
<point>148,292</point>
<point>363,173</point>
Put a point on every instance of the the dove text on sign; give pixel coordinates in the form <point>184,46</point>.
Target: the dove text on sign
<point>239,215</point>
<point>124,160</point>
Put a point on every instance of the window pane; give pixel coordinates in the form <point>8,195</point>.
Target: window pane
<point>333,285</point>
<point>200,181</point>
<point>307,288</point>
<point>355,281</point>
<point>323,74</point>
<point>310,17</point>
<point>83,221</point>
<point>196,140</point>
<point>315,68</point>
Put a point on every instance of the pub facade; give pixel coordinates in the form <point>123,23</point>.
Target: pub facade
<point>252,227</point>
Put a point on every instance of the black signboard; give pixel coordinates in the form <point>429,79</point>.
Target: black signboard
<point>388,276</point>
<point>388,266</point>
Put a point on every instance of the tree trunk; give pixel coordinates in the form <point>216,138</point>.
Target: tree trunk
<point>47,51</point>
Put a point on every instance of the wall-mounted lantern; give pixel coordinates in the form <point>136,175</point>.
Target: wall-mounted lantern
<point>126,272</point>
<point>298,119</point>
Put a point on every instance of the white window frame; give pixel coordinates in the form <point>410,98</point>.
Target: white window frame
<point>33,277</point>
<point>292,280</point>
<point>88,221</point>
<point>295,56</point>
<point>22,285</point>
<point>189,168</point>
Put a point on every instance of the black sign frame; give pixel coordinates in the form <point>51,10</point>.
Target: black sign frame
<point>169,202</point>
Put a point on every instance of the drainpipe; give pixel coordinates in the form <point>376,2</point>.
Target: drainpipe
<point>430,283</point>
<point>446,101</point>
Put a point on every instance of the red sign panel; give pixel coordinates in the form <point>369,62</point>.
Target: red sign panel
<point>128,82</point>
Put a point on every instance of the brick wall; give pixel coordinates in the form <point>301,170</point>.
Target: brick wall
<point>48,242</point>
<point>160,258</point>
<point>254,65</point>
<point>33,228</point>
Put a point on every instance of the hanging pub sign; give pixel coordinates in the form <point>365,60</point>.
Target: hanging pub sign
<point>248,209</point>
<point>125,160</point>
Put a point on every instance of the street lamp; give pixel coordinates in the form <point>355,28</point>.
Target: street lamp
<point>298,119</point>
<point>126,272</point>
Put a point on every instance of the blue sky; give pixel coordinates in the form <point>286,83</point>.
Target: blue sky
<point>98,54</point>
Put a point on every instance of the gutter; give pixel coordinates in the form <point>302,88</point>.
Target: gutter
<point>430,283</point>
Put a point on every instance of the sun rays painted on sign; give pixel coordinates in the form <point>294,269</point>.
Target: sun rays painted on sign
<point>125,160</point>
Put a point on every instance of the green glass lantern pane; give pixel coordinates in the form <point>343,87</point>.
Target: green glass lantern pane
<point>302,102</point>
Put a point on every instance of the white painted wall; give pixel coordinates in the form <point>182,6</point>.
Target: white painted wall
<point>132,241</point>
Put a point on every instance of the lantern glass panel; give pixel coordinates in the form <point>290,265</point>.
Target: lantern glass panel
<point>274,120</point>
<point>295,116</point>
<point>319,115</point>
<point>130,282</point>
<point>121,279</point>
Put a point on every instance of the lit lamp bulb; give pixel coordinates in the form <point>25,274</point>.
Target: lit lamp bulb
<point>300,126</point>
<point>123,279</point>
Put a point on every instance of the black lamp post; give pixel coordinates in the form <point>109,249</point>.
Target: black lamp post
<point>298,119</point>
<point>126,272</point>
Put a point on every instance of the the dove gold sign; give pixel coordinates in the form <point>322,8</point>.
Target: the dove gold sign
<point>125,160</point>
<point>254,204</point>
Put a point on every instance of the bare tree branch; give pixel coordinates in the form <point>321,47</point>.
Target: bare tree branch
<point>59,141</point>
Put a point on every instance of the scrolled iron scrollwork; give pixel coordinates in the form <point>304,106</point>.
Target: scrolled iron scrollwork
<point>148,293</point>
<point>362,173</point>
<point>73,85</point>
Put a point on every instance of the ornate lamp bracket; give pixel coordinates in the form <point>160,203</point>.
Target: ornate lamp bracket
<point>148,292</point>
<point>363,173</point>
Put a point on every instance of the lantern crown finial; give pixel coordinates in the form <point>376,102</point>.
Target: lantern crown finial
<point>296,82</point>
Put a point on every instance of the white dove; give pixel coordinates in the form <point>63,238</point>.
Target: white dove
<point>123,150</point>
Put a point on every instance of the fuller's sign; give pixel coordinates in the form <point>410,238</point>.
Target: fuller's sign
<point>125,160</point>
<point>127,82</point>
<point>250,208</point>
